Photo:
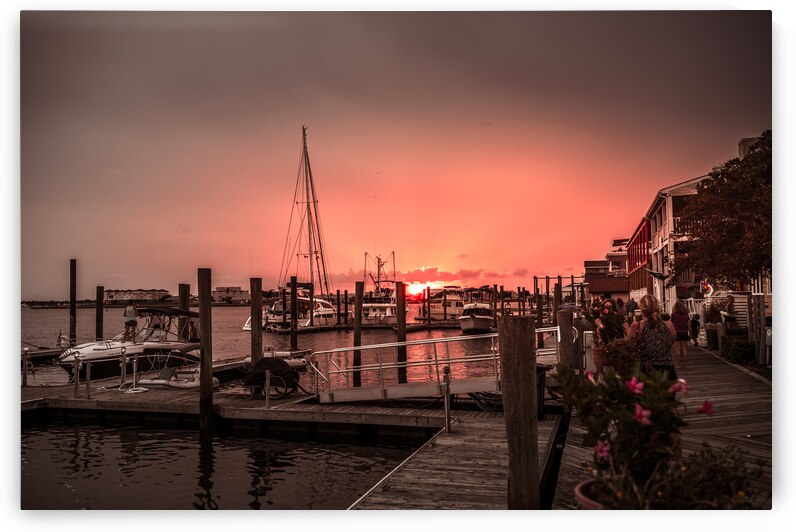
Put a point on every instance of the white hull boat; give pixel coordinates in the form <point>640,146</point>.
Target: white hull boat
<point>476,317</point>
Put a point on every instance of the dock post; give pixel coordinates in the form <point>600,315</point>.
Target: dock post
<point>99,306</point>
<point>284,307</point>
<point>547,290</point>
<point>572,289</point>
<point>400,354</point>
<point>518,384</point>
<point>185,305</point>
<point>502,301</point>
<point>345,306</point>
<point>256,287</point>
<point>267,389</point>
<point>338,307</point>
<point>494,305</point>
<point>72,302</point>
<point>567,343</point>
<point>580,351</point>
<point>76,376</point>
<point>446,377</point>
<point>293,314</point>
<point>25,366</point>
<point>539,320</point>
<point>519,302</point>
<point>556,302</point>
<point>123,369</point>
<point>206,364</point>
<point>358,297</point>
<point>444,304</point>
<point>312,304</point>
<point>88,379</point>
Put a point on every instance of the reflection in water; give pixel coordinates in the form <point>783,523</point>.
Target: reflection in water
<point>96,467</point>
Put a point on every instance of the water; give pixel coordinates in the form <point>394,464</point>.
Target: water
<point>40,327</point>
<point>97,467</point>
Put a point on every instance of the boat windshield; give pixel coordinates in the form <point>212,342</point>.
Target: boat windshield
<point>477,311</point>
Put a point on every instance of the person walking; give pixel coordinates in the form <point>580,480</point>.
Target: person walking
<point>654,338</point>
<point>130,321</point>
<point>695,328</point>
<point>631,308</point>
<point>680,321</point>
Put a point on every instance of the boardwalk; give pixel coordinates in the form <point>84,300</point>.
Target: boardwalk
<point>466,469</point>
<point>742,402</point>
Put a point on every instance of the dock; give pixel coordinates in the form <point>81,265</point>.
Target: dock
<point>741,400</point>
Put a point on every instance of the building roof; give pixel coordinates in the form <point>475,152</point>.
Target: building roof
<point>608,284</point>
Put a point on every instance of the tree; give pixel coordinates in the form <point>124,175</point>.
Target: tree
<point>729,221</point>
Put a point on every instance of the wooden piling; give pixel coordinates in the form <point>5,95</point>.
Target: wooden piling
<point>293,314</point>
<point>444,304</point>
<point>284,307</point>
<point>547,290</point>
<point>100,308</point>
<point>206,364</point>
<point>567,347</point>
<point>502,301</point>
<point>72,302</point>
<point>184,304</point>
<point>494,305</point>
<point>556,302</point>
<point>400,355</point>
<point>312,304</point>
<point>358,297</point>
<point>256,291</point>
<point>345,309</point>
<point>518,387</point>
<point>539,320</point>
<point>338,307</point>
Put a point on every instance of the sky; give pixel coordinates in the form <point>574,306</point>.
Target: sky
<point>481,147</point>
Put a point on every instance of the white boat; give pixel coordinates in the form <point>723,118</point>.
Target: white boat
<point>159,343</point>
<point>379,306</point>
<point>171,378</point>
<point>447,304</point>
<point>274,316</point>
<point>476,317</point>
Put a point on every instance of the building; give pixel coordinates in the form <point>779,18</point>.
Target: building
<point>638,261</point>
<point>608,277</point>
<point>230,294</point>
<point>137,295</point>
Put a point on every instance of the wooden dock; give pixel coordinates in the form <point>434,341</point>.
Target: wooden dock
<point>465,469</point>
<point>741,400</point>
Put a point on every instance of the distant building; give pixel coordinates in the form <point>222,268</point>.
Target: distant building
<point>230,294</point>
<point>608,277</point>
<point>138,295</point>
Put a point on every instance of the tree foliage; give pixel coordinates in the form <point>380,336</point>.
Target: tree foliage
<point>729,221</point>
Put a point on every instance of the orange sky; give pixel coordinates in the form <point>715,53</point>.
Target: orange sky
<point>484,147</point>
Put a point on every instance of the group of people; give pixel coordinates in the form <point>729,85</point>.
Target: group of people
<point>662,340</point>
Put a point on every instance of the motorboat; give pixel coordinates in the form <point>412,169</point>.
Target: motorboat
<point>168,338</point>
<point>476,317</point>
<point>324,313</point>
<point>448,304</point>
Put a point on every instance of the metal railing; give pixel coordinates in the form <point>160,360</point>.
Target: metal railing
<point>330,367</point>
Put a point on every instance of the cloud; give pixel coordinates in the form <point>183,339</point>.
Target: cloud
<point>522,272</point>
<point>469,274</point>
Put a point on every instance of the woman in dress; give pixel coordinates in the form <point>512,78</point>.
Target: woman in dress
<point>680,320</point>
<point>654,338</point>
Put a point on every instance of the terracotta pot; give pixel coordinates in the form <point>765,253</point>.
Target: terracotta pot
<point>583,496</point>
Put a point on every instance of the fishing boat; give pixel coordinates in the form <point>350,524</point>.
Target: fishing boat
<point>379,306</point>
<point>304,251</point>
<point>168,338</point>
<point>476,317</point>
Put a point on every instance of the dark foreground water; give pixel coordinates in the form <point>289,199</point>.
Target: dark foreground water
<point>96,467</point>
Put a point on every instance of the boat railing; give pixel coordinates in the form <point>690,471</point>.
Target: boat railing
<point>379,364</point>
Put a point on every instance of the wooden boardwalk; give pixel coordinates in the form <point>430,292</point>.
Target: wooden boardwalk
<point>466,469</point>
<point>741,400</point>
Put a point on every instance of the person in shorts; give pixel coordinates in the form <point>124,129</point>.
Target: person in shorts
<point>130,321</point>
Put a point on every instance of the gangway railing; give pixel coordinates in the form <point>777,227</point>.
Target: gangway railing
<point>333,369</point>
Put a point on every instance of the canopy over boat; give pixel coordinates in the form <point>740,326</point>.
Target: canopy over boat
<point>167,311</point>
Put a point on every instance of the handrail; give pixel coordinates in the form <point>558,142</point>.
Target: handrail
<point>334,368</point>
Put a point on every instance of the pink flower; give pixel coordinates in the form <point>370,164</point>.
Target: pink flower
<point>590,376</point>
<point>679,386</point>
<point>643,415</point>
<point>606,312</point>
<point>602,449</point>
<point>635,386</point>
<point>706,408</point>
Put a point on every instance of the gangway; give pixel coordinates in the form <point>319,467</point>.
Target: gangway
<point>473,362</point>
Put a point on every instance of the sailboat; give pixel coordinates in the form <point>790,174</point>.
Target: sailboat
<point>304,256</point>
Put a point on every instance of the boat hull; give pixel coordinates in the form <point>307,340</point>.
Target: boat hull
<point>475,323</point>
<point>112,367</point>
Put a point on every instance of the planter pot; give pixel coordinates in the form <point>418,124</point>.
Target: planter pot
<point>583,496</point>
<point>600,358</point>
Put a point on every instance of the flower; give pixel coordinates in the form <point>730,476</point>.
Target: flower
<point>633,423</point>
<point>706,408</point>
<point>602,449</point>
<point>642,415</point>
<point>635,386</point>
<point>679,386</point>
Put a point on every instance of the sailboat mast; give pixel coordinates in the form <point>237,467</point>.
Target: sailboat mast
<point>307,178</point>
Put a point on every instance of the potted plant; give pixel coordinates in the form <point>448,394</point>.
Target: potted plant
<point>633,424</point>
<point>610,347</point>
